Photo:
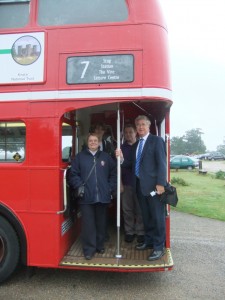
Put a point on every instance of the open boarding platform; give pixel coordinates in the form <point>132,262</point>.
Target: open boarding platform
<point>131,260</point>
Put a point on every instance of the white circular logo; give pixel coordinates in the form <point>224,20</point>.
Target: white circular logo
<point>26,50</point>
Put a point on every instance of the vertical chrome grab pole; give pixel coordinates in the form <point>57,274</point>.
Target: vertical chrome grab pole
<point>118,255</point>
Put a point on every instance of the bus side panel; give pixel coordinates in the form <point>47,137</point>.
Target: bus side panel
<point>44,142</point>
<point>44,190</point>
<point>52,232</point>
<point>14,110</point>
<point>156,70</point>
<point>16,186</point>
<point>47,239</point>
<point>112,38</point>
<point>42,237</point>
<point>150,37</point>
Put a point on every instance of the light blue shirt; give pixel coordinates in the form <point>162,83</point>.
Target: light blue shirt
<point>144,140</point>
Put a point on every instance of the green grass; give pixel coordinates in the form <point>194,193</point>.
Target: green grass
<point>204,195</point>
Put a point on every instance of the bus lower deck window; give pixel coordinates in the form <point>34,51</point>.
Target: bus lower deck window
<point>12,141</point>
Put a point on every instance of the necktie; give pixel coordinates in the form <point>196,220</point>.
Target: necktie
<point>137,166</point>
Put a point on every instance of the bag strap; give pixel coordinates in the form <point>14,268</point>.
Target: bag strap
<point>95,161</point>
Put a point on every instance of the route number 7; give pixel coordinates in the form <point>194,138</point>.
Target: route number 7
<point>86,63</point>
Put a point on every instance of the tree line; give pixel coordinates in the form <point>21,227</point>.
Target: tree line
<point>191,143</point>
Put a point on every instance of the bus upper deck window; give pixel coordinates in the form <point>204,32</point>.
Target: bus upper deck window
<point>12,141</point>
<point>14,13</point>
<point>53,13</point>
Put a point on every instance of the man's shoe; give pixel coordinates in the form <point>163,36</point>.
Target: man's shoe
<point>101,251</point>
<point>156,254</point>
<point>129,238</point>
<point>88,257</point>
<point>143,246</point>
<point>140,239</point>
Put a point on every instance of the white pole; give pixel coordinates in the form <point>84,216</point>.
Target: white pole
<point>118,255</point>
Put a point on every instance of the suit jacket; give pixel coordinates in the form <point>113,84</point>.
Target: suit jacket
<point>108,148</point>
<point>153,168</point>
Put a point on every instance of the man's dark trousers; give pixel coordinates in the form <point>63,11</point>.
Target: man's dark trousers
<point>153,214</point>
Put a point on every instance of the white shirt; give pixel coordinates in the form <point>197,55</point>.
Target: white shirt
<point>93,152</point>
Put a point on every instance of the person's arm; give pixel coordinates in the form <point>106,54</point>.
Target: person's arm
<point>125,163</point>
<point>75,173</point>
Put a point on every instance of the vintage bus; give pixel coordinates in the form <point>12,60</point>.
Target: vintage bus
<point>64,65</point>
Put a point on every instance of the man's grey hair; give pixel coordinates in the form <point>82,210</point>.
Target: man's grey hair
<point>142,117</point>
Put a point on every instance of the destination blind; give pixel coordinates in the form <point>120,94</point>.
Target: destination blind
<point>100,69</point>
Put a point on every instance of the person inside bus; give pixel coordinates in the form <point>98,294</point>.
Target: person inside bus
<point>97,170</point>
<point>105,145</point>
<point>133,223</point>
<point>99,128</point>
<point>149,174</point>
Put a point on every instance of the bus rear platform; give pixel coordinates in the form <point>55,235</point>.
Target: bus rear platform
<point>131,260</point>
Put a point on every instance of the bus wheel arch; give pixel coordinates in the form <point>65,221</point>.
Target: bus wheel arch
<point>7,216</point>
<point>9,249</point>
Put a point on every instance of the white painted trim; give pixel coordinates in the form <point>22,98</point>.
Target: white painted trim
<point>87,94</point>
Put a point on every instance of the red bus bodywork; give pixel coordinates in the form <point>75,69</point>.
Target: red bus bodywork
<point>32,191</point>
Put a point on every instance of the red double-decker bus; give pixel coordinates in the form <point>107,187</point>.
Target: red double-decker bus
<point>65,65</point>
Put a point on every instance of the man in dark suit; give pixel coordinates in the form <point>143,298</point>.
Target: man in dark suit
<point>149,175</point>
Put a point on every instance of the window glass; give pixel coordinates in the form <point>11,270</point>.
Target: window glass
<point>184,159</point>
<point>12,141</point>
<point>62,12</point>
<point>14,14</point>
<point>67,139</point>
<point>176,160</point>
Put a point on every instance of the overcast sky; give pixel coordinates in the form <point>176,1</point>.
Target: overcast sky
<point>197,50</point>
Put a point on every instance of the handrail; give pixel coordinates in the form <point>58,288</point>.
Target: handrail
<point>65,203</point>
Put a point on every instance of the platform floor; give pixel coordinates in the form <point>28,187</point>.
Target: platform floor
<point>130,259</point>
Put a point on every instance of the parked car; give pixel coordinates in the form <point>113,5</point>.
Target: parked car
<point>215,156</point>
<point>183,162</point>
<point>203,156</point>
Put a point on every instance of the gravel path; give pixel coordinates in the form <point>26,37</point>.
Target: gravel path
<point>198,249</point>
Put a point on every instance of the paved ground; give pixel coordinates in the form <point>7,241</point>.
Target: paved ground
<point>213,166</point>
<point>198,248</point>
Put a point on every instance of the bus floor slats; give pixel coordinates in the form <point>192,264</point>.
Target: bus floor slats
<point>130,258</point>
